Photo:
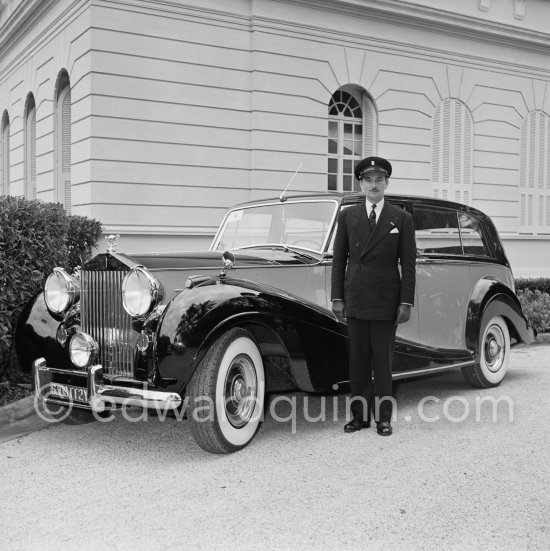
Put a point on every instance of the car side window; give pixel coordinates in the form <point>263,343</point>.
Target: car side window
<point>437,231</point>
<point>472,237</point>
<point>443,231</point>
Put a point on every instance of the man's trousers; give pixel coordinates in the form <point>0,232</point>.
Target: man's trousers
<point>371,353</point>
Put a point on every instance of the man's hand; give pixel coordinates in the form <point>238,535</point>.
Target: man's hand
<point>403,313</point>
<point>339,309</point>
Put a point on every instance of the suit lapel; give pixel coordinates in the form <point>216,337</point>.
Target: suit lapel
<point>386,222</point>
<point>360,223</point>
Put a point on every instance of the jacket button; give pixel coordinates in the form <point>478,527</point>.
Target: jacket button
<point>357,244</point>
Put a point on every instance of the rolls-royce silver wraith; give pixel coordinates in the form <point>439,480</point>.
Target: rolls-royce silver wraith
<point>251,316</point>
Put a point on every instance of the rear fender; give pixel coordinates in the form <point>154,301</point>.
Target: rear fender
<point>491,297</point>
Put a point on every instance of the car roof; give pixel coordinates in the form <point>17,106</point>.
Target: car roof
<point>354,197</point>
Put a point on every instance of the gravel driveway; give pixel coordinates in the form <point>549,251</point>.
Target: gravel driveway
<point>447,484</point>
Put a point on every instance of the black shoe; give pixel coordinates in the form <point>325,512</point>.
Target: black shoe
<point>356,424</point>
<point>383,428</point>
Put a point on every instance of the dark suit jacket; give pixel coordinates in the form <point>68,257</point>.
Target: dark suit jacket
<point>365,264</point>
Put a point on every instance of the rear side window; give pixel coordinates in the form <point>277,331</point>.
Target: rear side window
<point>471,234</point>
<point>441,231</point>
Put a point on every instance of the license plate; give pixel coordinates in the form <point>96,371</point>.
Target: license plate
<point>68,392</point>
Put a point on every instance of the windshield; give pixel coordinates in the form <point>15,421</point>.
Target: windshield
<point>304,224</point>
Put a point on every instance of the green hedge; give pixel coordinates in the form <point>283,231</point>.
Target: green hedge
<point>34,238</point>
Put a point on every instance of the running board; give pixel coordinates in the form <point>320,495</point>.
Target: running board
<point>429,370</point>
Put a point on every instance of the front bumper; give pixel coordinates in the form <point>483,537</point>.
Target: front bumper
<point>86,390</point>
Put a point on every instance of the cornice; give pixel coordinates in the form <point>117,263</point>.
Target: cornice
<point>421,51</point>
<point>23,16</point>
<point>427,18</point>
<point>176,8</point>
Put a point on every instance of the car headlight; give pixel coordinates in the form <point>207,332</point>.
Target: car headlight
<point>141,292</point>
<point>82,349</point>
<point>60,291</point>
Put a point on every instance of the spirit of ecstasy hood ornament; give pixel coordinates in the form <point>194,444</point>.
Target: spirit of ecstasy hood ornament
<point>112,242</point>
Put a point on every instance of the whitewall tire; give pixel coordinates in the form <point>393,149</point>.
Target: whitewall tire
<point>493,354</point>
<point>226,394</point>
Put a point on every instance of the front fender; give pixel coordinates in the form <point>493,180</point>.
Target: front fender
<point>491,297</point>
<point>34,336</point>
<point>197,317</point>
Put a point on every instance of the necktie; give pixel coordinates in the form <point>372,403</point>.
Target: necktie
<point>372,217</point>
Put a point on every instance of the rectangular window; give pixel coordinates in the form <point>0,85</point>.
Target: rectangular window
<point>333,137</point>
<point>332,174</point>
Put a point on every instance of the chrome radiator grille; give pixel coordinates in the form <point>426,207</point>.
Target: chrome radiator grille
<point>103,317</point>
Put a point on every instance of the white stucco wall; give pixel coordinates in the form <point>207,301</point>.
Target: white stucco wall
<point>183,108</point>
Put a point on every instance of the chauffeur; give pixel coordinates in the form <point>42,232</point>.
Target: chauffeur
<point>372,239</point>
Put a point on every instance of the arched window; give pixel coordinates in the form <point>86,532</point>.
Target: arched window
<point>535,173</point>
<point>63,141</point>
<point>452,152</point>
<point>30,148</point>
<point>352,124</point>
<point>5,154</point>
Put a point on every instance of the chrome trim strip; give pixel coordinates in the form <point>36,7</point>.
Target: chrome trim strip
<point>216,269</point>
<point>462,260</point>
<point>101,396</point>
<point>418,372</point>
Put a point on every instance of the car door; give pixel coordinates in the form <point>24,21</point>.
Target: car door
<point>443,280</point>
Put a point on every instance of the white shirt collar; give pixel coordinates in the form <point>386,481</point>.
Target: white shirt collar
<point>377,210</point>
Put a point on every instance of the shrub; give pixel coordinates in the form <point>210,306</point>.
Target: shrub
<point>34,238</point>
<point>83,235</point>
<point>536,307</point>
<point>533,283</point>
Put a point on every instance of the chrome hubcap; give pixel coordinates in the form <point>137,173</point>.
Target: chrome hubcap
<point>494,348</point>
<point>240,391</point>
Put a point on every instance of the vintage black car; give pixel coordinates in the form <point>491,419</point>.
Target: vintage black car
<point>174,330</point>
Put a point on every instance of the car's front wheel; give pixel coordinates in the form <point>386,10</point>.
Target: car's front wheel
<point>226,394</point>
<point>493,354</point>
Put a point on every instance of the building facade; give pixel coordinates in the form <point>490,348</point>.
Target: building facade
<point>153,116</point>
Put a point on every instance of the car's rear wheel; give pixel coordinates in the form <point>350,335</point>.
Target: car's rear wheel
<point>493,354</point>
<point>226,394</point>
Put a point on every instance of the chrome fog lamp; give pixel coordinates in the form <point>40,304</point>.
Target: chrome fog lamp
<point>141,292</point>
<point>143,342</point>
<point>60,291</point>
<point>82,349</point>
